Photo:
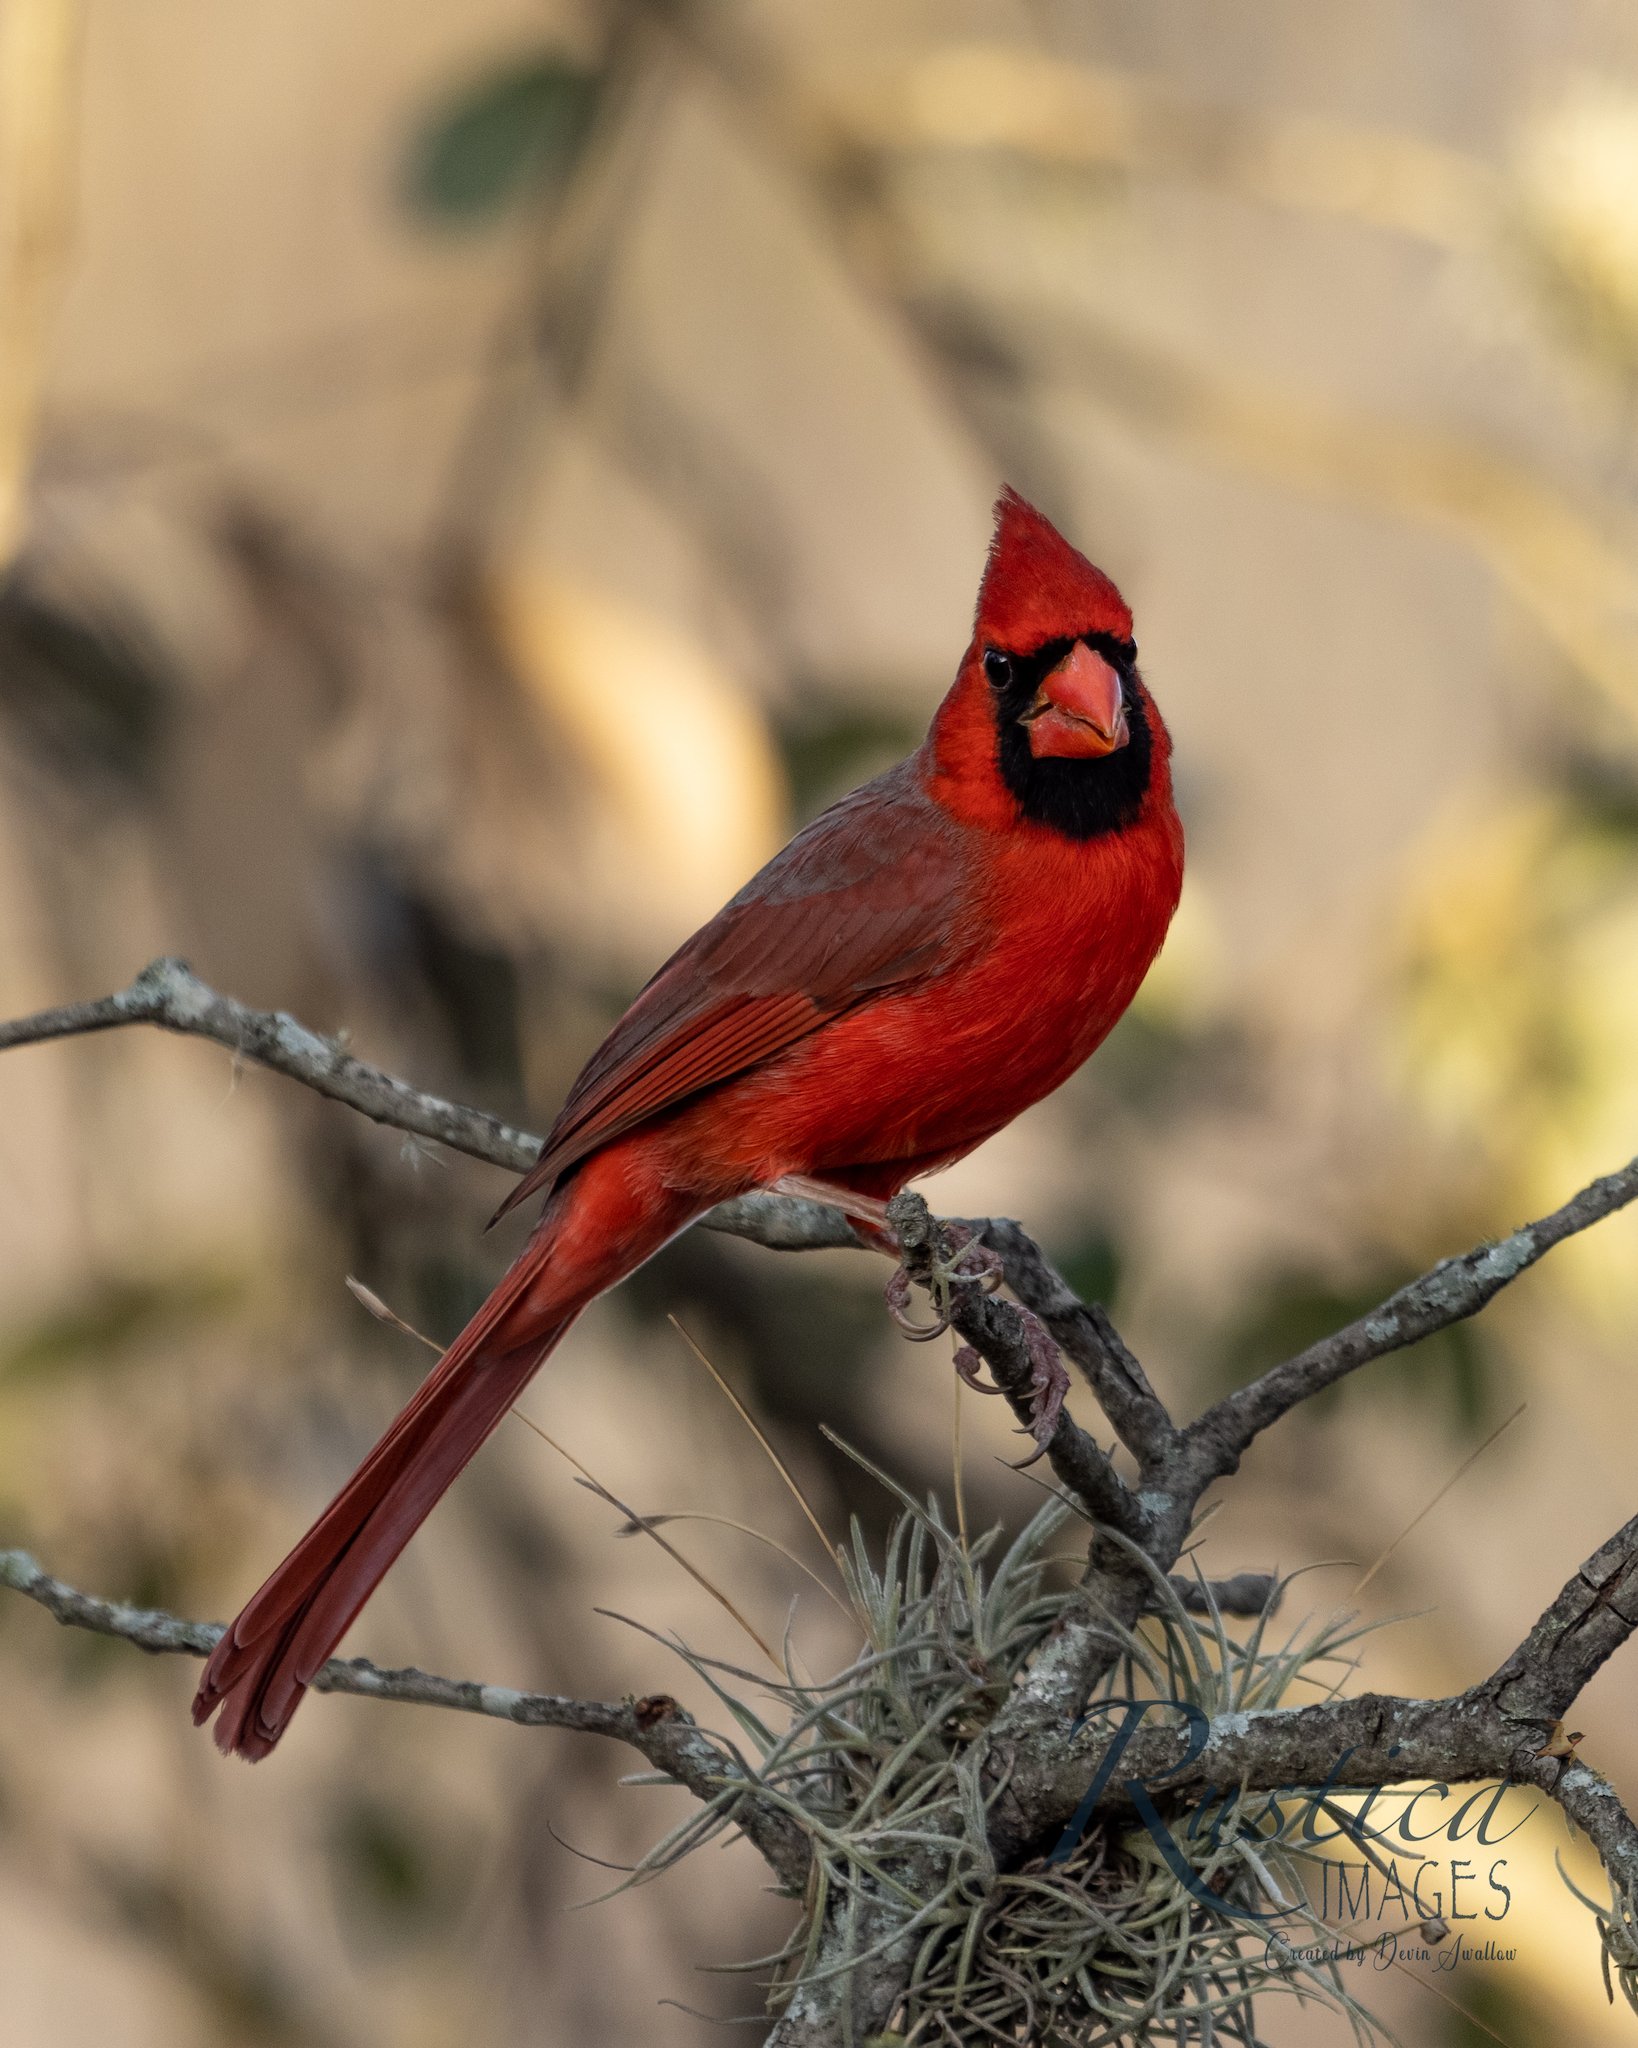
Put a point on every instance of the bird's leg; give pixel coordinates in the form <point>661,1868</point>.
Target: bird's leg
<point>972,1260</point>
<point>868,1215</point>
<point>865,1209</point>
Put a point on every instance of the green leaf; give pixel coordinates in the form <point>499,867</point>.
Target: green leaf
<point>515,131</point>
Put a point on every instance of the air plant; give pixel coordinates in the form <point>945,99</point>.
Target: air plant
<point>880,1766</point>
<point>1617,1933</point>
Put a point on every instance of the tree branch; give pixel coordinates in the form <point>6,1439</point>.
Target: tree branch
<point>1501,1728</point>
<point>657,1726</point>
<point>997,1332</point>
<point>1455,1289</point>
<point>1246,1593</point>
<point>169,994</point>
<point>1086,1336</point>
<point>1114,1592</point>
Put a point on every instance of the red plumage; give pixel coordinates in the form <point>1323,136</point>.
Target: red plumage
<point>1037,587</point>
<point>936,952</point>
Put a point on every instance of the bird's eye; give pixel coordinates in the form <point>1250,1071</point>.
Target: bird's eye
<point>998,667</point>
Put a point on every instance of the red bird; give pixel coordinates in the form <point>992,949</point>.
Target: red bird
<point>936,952</point>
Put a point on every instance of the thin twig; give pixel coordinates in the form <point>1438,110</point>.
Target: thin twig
<point>649,1527</point>
<point>756,1430</point>
<point>1428,1507</point>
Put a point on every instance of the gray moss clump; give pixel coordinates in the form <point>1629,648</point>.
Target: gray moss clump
<point>881,1767</point>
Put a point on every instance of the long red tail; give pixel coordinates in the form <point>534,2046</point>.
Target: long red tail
<point>260,1669</point>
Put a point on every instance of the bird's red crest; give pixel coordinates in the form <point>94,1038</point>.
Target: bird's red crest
<point>1037,587</point>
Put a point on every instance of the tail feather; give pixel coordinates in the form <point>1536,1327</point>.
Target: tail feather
<point>258,1672</point>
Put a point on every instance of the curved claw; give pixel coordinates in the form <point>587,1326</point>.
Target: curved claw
<point>968,1365</point>
<point>897,1296</point>
<point>972,1263</point>
<point>1023,1464</point>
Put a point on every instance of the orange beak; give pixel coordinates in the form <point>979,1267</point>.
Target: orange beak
<point>1078,710</point>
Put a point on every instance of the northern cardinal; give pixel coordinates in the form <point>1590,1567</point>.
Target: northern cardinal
<point>933,954</point>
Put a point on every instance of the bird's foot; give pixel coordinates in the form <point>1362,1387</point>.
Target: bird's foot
<point>972,1260</point>
<point>971,1264</point>
<point>897,1296</point>
<point>1049,1384</point>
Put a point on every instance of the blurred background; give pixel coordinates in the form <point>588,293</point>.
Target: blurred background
<point>471,481</point>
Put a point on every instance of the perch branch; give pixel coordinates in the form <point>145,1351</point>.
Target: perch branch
<point>169,994</point>
<point>995,1330</point>
<point>1085,1335</point>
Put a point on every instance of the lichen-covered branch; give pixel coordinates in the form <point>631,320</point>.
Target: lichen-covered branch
<point>1178,1475</point>
<point>1501,1728</point>
<point>656,1726</point>
<point>1083,1332</point>
<point>1507,1729</point>
<point>998,1333</point>
<point>169,994</point>
<point>1454,1290</point>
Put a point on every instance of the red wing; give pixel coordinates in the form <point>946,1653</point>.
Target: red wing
<point>870,896</point>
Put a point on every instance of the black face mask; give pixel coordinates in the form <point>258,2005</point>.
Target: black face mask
<point>1081,799</point>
